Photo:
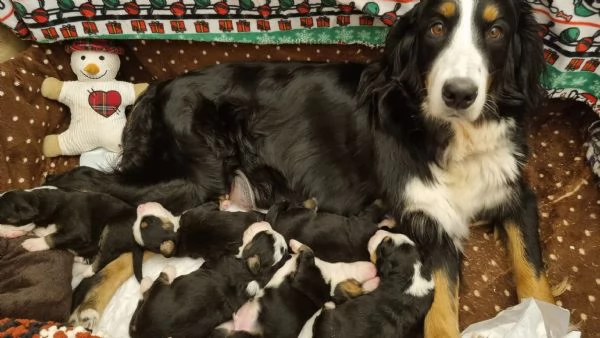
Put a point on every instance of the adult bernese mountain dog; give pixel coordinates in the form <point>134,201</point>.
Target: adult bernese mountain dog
<point>435,129</point>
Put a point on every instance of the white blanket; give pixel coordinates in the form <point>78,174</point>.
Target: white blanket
<point>115,321</point>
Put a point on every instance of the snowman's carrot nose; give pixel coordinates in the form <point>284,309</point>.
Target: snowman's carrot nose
<point>92,68</point>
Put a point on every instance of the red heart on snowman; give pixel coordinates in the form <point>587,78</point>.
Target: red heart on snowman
<point>105,103</point>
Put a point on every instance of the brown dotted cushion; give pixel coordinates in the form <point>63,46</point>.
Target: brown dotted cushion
<point>569,203</point>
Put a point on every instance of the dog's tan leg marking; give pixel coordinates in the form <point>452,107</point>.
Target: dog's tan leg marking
<point>442,318</point>
<point>113,275</point>
<point>529,283</point>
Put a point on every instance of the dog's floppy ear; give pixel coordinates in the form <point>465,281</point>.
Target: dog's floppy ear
<point>400,52</point>
<point>525,63</point>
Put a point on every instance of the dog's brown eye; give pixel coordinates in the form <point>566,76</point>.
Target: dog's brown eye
<point>438,30</point>
<point>495,33</point>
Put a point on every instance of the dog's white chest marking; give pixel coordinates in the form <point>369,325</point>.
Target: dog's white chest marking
<point>478,168</point>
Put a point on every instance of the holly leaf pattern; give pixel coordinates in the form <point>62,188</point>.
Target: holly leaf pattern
<point>20,10</point>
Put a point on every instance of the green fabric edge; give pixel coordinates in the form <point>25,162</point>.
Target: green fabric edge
<point>582,81</point>
<point>366,35</point>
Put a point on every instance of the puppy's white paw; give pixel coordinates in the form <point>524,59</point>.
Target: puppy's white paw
<point>252,288</point>
<point>79,259</point>
<point>87,318</point>
<point>88,272</point>
<point>170,271</point>
<point>42,232</point>
<point>145,284</point>
<point>329,305</point>
<point>35,244</point>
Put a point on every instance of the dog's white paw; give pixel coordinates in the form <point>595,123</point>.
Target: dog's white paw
<point>87,318</point>
<point>329,305</point>
<point>35,244</point>
<point>79,259</point>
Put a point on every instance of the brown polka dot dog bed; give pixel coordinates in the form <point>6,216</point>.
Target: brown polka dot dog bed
<point>569,200</point>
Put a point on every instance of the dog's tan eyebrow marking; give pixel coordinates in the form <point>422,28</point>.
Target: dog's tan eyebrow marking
<point>447,9</point>
<point>490,13</point>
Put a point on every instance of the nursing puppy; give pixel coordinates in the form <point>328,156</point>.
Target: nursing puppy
<point>204,231</point>
<point>298,289</point>
<point>333,237</point>
<point>398,306</point>
<point>192,305</point>
<point>92,225</point>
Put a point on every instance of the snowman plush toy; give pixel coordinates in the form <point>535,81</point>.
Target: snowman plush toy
<point>97,103</point>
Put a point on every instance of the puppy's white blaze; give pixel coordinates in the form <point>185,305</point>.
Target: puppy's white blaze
<point>279,247</point>
<point>152,209</point>
<point>420,286</point>
<point>479,167</point>
<point>335,273</point>
<point>137,232</point>
<point>376,239</point>
<point>307,329</point>
<point>250,232</point>
<point>460,58</point>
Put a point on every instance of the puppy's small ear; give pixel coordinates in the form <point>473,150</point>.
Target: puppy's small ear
<point>253,264</point>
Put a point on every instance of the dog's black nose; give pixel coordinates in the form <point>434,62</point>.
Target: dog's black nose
<point>459,92</point>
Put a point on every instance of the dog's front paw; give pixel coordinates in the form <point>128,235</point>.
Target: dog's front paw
<point>87,318</point>
<point>35,244</point>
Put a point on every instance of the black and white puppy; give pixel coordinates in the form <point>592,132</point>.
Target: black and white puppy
<point>92,225</point>
<point>204,231</point>
<point>192,305</point>
<point>333,237</point>
<point>396,308</point>
<point>298,289</point>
